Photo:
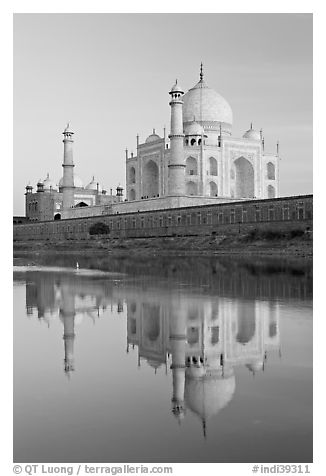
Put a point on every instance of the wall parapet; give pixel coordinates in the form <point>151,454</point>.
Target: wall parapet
<point>217,218</point>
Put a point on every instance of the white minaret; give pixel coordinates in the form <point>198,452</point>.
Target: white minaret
<point>176,181</point>
<point>68,169</point>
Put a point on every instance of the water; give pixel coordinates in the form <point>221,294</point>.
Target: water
<point>100,354</point>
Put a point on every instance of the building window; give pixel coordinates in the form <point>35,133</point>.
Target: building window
<point>300,213</point>
<point>212,166</point>
<point>220,218</point>
<point>258,214</point>
<point>232,216</point>
<point>286,212</point>
<point>191,166</point>
<point>209,218</point>
<point>161,221</point>
<point>169,221</point>
<point>198,218</point>
<point>271,214</point>
<point>244,216</point>
<point>179,220</point>
<point>188,219</point>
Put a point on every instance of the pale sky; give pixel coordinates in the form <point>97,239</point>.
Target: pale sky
<point>110,74</point>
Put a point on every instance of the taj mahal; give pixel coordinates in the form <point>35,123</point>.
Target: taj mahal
<point>199,162</point>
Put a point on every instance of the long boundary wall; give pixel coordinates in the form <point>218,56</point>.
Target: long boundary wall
<point>283,213</point>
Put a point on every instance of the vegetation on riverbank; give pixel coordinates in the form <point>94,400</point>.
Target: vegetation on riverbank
<point>291,243</point>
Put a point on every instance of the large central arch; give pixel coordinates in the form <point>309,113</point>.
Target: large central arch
<point>151,180</point>
<point>244,178</point>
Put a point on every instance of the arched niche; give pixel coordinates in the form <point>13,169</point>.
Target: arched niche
<point>244,178</point>
<point>191,188</point>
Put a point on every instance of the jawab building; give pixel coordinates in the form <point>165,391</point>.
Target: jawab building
<point>199,162</point>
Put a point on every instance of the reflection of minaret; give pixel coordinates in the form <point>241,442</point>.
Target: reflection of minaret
<point>178,322</point>
<point>67,315</point>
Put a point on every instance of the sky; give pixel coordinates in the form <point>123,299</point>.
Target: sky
<point>109,75</point>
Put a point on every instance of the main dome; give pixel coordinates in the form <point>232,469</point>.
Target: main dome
<point>207,106</point>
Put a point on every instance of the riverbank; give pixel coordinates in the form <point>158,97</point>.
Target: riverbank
<point>294,244</point>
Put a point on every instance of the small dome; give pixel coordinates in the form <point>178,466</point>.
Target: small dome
<point>176,88</point>
<point>93,185</point>
<point>153,137</point>
<point>77,182</point>
<point>255,366</point>
<point>194,129</point>
<point>154,363</point>
<point>48,184</point>
<point>251,134</point>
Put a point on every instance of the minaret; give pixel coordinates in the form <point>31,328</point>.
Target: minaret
<point>68,169</point>
<point>178,323</point>
<point>176,181</point>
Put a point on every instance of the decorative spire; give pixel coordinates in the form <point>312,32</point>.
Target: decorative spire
<point>251,126</point>
<point>201,75</point>
<point>277,147</point>
<point>204,428</point>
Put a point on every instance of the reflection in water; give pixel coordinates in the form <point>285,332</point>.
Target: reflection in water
<point>211,334</point>
<point>200,338</point>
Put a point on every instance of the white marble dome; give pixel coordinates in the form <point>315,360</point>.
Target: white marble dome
<point>176,88</point>
<point>152,138</point>
<point>206,105</point>
<point>207,395</point>
<point>93,184</point>
<point>77,182</point>
<point>194,129</point>
<point>251,134</point>
<point>49,184</point>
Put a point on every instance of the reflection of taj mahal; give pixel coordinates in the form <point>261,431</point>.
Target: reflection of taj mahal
<point>201,338</point>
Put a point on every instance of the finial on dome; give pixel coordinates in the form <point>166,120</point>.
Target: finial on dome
<point>153,130</point>
<point>277,147</point>
<point>201,75</point>
<point>251,126</point>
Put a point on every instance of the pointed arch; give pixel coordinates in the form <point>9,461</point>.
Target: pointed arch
<point>270,171</point>
<point>132,175</point>
<point>191,188</point>
<point>213,191</point>
<point>191,166</point>
<point>212,166</point>
<point>270,191</point>
<point>244,178</point>
<point>132,194</point>
<point>151,179</point>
